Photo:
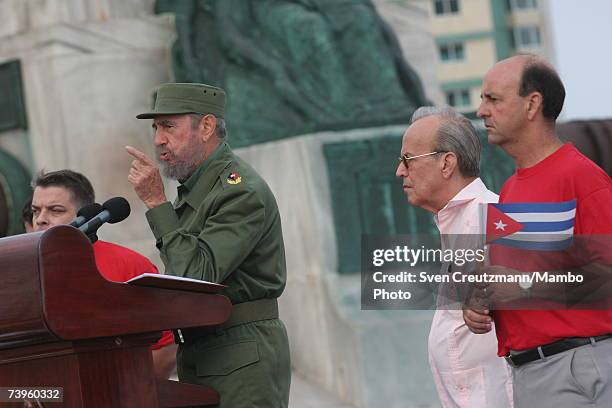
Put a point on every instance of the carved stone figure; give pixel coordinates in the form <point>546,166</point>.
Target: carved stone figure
<point>294,66</point>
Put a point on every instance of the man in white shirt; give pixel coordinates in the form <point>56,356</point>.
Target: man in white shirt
<point>440,165</point>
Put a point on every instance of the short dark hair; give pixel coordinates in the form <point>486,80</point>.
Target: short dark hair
<point>79,186</point>
<point>540,77</point>
<point>26,212</point>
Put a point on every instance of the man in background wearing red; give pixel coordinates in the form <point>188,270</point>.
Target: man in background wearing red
<point>559,358</point>
<point>57,197</point>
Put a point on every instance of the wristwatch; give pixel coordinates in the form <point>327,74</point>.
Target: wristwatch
<point>525,283</point>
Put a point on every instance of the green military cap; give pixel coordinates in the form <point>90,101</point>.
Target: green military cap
<point>177,99</point>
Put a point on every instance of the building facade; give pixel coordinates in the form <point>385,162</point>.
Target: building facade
<point>471,35</point>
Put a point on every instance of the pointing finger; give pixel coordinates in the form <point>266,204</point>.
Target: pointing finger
<point>138,154</point>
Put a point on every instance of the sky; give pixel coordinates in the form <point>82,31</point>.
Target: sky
<point>582,32</point>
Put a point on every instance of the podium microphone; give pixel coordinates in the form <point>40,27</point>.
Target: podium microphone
<point>86,213</point>
<point>114,210</point>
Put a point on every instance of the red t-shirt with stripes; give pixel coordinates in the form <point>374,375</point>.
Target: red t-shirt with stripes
<point>563,176</point>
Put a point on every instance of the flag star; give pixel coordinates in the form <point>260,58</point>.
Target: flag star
<point>499,225</point>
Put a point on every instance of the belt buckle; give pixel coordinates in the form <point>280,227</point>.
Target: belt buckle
<point>509,360</point>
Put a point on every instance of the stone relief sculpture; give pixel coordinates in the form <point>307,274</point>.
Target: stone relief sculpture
<point>294,66</point>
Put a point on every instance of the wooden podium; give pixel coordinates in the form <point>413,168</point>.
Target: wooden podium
<point>63,325</point>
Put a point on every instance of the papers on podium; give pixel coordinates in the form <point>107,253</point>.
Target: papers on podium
<point>176,283</point>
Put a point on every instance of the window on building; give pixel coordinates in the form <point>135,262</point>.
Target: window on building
<point>522,4</point>
<point>451,52</point>
<point>459,98</point>
<point>526,37</point>
<point>446,6</point>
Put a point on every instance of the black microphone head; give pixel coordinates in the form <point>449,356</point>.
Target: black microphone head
<point>118,208</point>
<point>89,211</point>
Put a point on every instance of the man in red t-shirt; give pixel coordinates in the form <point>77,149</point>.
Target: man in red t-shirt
<point>57,197</point>
<point>560,358</point>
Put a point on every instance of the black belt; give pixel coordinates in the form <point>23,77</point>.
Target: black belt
<point>247,312</point>
<point>527,356</point>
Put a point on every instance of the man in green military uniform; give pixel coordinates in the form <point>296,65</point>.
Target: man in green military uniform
<point>223,227</point>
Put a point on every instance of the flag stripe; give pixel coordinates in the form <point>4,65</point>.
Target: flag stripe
<point>539,237</point>
<point>542,217</point>
<point>568,231</point>
<point>547,226</point>
<point>536,246</point>
<point>536,207</point>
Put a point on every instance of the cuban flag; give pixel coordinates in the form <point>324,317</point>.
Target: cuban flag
<point>532,226</point>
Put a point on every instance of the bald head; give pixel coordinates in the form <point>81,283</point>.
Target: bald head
<point>509,69</point>
<point>530,73</point>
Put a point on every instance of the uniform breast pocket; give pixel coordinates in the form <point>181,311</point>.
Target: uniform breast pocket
<point>225,359</point>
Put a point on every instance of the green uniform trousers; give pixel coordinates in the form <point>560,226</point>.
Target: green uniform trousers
<point>248,365</point>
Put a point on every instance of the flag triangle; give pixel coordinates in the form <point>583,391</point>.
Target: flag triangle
<point>500,224</point>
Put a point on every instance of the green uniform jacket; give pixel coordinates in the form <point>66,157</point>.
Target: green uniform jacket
<point>224,227</point>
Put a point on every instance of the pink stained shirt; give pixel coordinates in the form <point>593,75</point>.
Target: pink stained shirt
<point>465,366</point>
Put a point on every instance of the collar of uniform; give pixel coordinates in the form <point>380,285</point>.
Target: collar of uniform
<point>203,178</point>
